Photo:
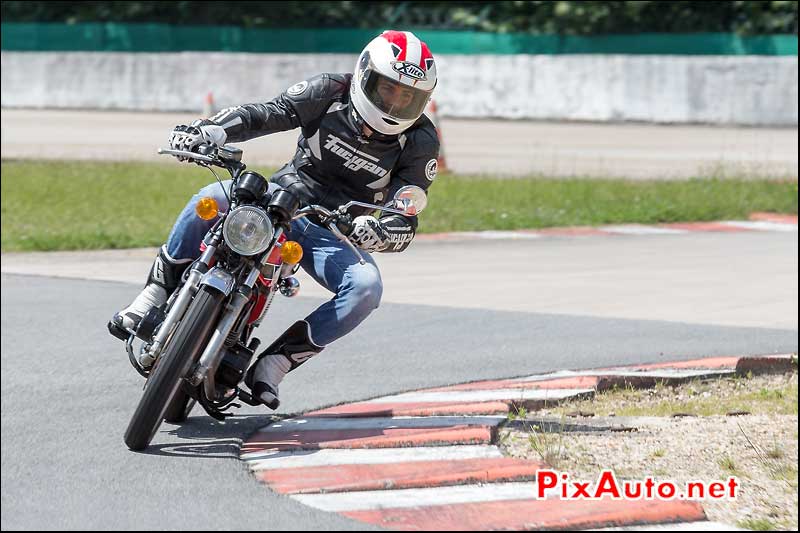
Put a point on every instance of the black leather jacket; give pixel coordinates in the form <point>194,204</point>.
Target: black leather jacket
<point>335,162</point>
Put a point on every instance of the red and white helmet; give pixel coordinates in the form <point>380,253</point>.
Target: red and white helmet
<point>393,81</point>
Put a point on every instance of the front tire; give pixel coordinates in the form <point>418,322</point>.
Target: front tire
<point>187,344</point>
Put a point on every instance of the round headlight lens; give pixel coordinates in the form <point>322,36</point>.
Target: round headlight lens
<point>248,230</point>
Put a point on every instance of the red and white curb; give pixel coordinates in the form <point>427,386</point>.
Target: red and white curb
<point>427,460</point>
<point>757,222</point>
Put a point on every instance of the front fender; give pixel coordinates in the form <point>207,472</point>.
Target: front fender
<point>218,279</point>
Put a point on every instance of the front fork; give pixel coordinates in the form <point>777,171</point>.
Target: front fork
<point>183,299</point>
<point>206,367</point>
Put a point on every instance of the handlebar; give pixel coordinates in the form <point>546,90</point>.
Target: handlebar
<point>313,210</point>
<point>227,157</point>
<point>329,218</point>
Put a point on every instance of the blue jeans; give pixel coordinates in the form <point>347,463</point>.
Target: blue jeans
<point>357,288</point>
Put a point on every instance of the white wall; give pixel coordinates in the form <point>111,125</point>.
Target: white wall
<point>747,90</point>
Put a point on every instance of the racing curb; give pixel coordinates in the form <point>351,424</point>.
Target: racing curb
<point>756,222</point>
<point>428,460</point>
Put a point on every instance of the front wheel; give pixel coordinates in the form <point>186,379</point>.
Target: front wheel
<point>187,344</point>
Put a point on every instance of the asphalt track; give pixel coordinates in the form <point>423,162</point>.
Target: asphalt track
<point>493,147</point>
<point>68,390</point>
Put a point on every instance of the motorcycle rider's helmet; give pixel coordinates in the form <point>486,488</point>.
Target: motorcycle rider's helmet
<point>393,81</point>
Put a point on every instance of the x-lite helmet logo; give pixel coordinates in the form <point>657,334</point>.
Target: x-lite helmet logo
<point>409,69</point>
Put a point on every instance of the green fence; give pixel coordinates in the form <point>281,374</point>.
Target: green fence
<point>115,37</point>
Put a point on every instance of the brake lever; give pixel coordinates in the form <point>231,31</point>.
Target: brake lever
<point>188,155</point>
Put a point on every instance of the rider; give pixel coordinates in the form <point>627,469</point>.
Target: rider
<point>363,136</point>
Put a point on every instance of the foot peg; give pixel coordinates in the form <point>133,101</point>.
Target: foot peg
<point>117,331</point>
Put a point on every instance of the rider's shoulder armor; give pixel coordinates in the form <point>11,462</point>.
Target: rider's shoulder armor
<point>311,98</point>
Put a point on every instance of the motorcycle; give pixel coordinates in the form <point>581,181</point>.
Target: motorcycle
<point>197,347</point>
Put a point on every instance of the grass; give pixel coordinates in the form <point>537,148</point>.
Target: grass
<point>757,524</point>
<point>776,452</point>
<point>784,472</point>
<point>689,398</point>
<point>470,204</point>
<point>90,205</point>
<point>771,460</point>
<point>548,446</point>
<point>727,465</point>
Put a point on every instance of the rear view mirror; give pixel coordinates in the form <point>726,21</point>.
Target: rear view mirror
<point>411,199</point>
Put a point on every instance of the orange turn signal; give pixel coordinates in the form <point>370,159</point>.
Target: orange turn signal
<point>206,208</point>
<point>291,252</point>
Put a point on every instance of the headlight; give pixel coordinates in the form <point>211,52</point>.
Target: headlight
<point>248,230</point>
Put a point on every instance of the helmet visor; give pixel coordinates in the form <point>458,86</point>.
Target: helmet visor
<point>396,99</point>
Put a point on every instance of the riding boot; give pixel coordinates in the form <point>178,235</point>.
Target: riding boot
<point>163,278</point>
<point>293,348</point>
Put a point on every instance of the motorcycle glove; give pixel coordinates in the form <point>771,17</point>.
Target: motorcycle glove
<point>389,234</point>
<point>368,234</point>
<point>188,138</point>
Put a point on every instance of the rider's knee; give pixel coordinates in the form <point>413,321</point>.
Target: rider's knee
<point>366,288</point>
